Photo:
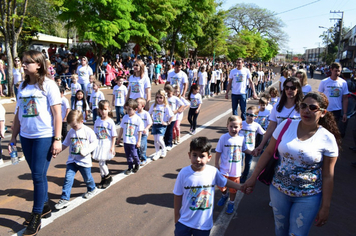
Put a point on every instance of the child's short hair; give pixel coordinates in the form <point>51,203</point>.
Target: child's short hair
<point>273,91</point>
<point>131,103</point>
<point>141,101</point>
<point>201,144</point>
<point>62,89</point>
<point>119,77</point>
<point>263,101</point>
<point>168,88</point>
<point>101,107</point>
<point>74,76</point>
<point>97,82</point>
<point>267,96</point>
<point>57,78</point>
<point>75,115</point>
<point>254,109</point>
<point>234,118</point>
<point>92,76</point>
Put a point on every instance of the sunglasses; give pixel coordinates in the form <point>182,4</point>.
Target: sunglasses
<point>311,107</point>
<point>250,114</point>
<point>136,65</point>
<point>290,87</point>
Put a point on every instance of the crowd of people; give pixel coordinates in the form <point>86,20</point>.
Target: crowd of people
<point>308,152</point>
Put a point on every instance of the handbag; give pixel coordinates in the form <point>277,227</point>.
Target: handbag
<point>267,173</point>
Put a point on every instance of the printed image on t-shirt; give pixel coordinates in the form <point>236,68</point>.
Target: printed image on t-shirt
<point>174,81</point>
<point>118,94</point>
<point>239,78</point>
<point>81,73</point>
<point>103,132</point>
<point>29,106</point>
<point>157,116</point>
<point>249,136</point>
<point>135,87</point>
<point>95,101</point>
<point>76,145</point>
<point>130,129</point>
<point>74,91</point>
<point>262,120</point>
<point>335,91</point>
<point>79,107</point>
<point>235,153</point>
<point>200,197</point>
<point>194,102</point>
<point>90,90</point>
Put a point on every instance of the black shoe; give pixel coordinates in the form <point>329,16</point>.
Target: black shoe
<point>46,213</point>
<point>34,225</point>
<point>100,185</point>
<point>107,181</point>
<point>136,168</point>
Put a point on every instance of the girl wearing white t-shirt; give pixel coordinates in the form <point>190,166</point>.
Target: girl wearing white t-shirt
<point>202,80</point>
<point>105,131</point>
<point>186,104</point>
<point>38,120</point>
<point>95,98</point>
<point>274,96</point>
<point>287,107</point>
<point>195,104</point>
<point>303,181</point>
<point>81,104</point>
<point>302,76</point>
<point>84,71</point>
<point>162,116</point>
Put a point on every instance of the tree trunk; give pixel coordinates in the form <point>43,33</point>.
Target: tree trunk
<point>10,66</point>
<point>195,54</point>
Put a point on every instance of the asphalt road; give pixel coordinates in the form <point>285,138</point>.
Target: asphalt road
<point>142,203</point>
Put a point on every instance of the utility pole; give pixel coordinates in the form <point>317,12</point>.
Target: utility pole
<point>340,31</point>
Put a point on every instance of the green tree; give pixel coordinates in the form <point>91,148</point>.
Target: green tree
<point>12,21</point>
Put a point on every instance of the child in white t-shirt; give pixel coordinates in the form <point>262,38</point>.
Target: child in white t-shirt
<point>202,80</point>
<point>249,130</point>
<point>196,101</point>
<point>147,123</point>
<point>263,113</point>
<point>119,98</point>
<point>95,98</point>
<point>105,131</point>
<point>89,88</point>
<point>228,159</point>
<point>80,104</point>
<point>81,141</point>
<point>131,130</point>
<point>74,87</point>
<point>64,111</point>
<point>274,96</point>
<point>194,191</point>
<point>179,118</point>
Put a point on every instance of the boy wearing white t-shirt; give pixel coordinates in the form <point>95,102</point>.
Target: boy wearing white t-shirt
<point>131,130</point>
<point>64,111</point>
<point>228,159</point>
<point>119,98</point>
<point>194,191</point>
<point>74,87</point>
<point>249,130</point>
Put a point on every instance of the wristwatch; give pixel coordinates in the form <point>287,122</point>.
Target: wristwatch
<point>57,138</point>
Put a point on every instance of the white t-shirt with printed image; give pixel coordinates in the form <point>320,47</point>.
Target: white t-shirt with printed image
<point>286,113</point>
<point>64,107</point>
<point>249,131</point>
<point>197,190</point>
<point>34,109</point>
<point>299,171</point>
<point>89,89</point>
<point>195,100</point>
<point>306,89</point>
<point>174,103</point>
<point>179,115</point>
<point>231,149</point>
<point>274,101</point>
<point>218,74</point>
<point>145,117</point>
<point>138,86</point>
<point>334,90</point>
<point>131,126</point>
<point>95,98</point>
<point>77,141</point>
<point>120,93</point>
<point>263,118</point>
<point>179,79</point>
<point>105,129</point>
<point>74,88</point>
<point>160,113</point>
<point>202,78</point>
<point>80,107</point>
<point>239,80</point>
<point>84,72</point>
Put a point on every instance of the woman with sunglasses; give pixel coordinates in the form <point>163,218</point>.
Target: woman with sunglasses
<point>18,73</point>
<point>302,185</point>
<point>288,107</point>
<point>84,71</point>
<point>139,83</point>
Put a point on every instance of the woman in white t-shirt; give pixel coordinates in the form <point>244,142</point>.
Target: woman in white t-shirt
<point>18,73</point>
<point>302,76</point>
<point>302,184</point>
<point>287,107</point>
<point>139,84</point>
<point>84,71</point>
<point>38,120</point>
<point>285,74</point>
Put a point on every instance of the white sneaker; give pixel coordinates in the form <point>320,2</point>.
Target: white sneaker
<point>168,148</point>
<point>90,194</point>
<point>1,161</point>
<point>155,157</point>
<point>61,204</point>
<point>163,153</point>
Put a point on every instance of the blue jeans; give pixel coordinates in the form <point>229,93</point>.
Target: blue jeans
<point>72,169</point>
<point>293,215</point>
<point>84,87</point>
<point>207,90</point>
<point>38,156</point>
<point>168,136</point>
<point>72,100</point>
<point>95,114</point>
<point>235,99</point>
<point>143,148</point>
<point>183,230</point>
<point>248,160</point>
<point>119,113</point>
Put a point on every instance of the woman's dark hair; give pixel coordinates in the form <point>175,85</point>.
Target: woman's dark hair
<point>193,87</point>
<point>36,57</point>
<point>298,97</point>
<point>328,121</point>
<point>76,100</point>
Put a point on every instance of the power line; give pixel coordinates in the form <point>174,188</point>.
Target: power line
<point>296,8</point>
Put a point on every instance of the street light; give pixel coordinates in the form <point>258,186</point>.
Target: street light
<point>327,42</point>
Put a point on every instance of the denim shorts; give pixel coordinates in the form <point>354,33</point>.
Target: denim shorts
<point>158,129</point>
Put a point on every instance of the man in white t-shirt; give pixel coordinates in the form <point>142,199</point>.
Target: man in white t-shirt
<point>335,88</point>
<point>178,77</point>
<point>239,78</point>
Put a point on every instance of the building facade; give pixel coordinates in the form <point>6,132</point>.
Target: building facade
<point>315,55</point>
<point>348,49</point>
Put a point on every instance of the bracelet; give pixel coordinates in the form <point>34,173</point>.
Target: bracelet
<point>57,138</point>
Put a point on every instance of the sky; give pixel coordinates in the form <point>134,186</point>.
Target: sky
<point>302,24</point>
